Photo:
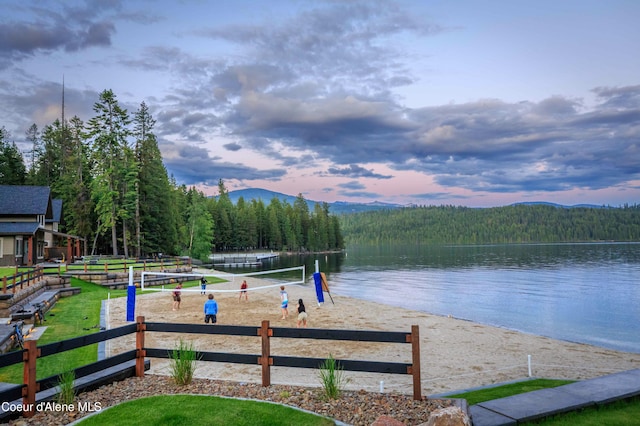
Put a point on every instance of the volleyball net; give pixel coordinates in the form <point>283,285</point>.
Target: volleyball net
<point>157,281</point>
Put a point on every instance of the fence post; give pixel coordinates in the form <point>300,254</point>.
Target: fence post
<point>29,356</point>
<point>415,356</point>
<point>265,360</point>
<point>4,284</point>
<point>140,352</point>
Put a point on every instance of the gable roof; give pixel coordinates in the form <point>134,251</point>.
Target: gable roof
<point>56,205</point>
<point>18,200</point>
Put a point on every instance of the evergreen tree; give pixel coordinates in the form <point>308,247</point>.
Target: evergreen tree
<point>109,130</point>
<point>200,226</point>
<point>12,168</point>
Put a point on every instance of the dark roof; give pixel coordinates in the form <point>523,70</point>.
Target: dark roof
<point>56,206</point>
<point>18,228</point>
<point>25,200</point>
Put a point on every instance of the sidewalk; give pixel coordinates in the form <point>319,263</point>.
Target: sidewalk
<point>534,405</point>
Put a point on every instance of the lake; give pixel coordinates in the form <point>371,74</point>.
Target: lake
<point>587,293</point>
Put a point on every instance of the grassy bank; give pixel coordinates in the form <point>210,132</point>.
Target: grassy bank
<point>70,317</point>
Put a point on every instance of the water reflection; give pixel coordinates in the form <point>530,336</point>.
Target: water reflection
<point>578,292</point>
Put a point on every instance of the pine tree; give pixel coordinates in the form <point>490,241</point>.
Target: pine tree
<point>109,130</point>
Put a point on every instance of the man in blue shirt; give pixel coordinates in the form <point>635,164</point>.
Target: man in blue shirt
<point>210,310</point>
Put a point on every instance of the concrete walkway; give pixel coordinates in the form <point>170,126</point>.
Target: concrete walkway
<point>534,405</point>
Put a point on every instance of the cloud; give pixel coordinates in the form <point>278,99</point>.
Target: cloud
<point>69,29</point>
<point>192,166</point>
<point>355,171</point>
<point>315,91</point>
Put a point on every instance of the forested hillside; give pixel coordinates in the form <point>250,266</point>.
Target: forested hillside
<point>510,224</point>
<point>116,193</point>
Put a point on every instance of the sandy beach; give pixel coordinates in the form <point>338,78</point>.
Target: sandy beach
<point>455,354</point>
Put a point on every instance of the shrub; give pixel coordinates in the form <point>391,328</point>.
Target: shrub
<point>332,378</point>
<point>66,393</point>
<point>183,363</point>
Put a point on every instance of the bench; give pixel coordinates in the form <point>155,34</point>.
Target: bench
<point>27,311</point>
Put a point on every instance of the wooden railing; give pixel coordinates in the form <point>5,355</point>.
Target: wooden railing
<point>18,280</point>
<point>23,278</point>
<point>265,359</point>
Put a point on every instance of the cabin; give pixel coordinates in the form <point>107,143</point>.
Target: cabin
<point>29,227</point>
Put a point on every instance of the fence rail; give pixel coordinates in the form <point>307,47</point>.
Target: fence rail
<point>27,275</point>
<point>32,352</point>
<point>20,278</point>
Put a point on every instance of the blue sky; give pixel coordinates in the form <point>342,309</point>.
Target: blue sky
<point>476,103</point>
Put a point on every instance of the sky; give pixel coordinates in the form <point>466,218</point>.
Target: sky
<point>475,103</point>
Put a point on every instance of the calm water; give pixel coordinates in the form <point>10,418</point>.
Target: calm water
<point>588,293</point>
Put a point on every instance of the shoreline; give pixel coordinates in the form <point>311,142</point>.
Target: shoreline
<point>455,353</point>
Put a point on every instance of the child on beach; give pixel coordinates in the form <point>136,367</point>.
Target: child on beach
<point>211,310</point>
<point>302,314</point>
<point>284,302</point>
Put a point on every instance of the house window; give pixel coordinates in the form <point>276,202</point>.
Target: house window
<point>19,246</point>
<point>1,247</point>
<point>41,220</point>
<point>40,253</point>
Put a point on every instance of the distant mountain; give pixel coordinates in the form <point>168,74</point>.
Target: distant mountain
<point>339,207</point>
<point>561,206</point>
<point>345,207</point>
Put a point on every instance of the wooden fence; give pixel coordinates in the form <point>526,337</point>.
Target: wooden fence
<point>32,274</point>
<point>18,280</point>
<point>31,352</point>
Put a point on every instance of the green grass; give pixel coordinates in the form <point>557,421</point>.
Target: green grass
<point>69,318</point>
<point>195,410</point>
<point>488,394</point>
<point>620,413</point>
<point>623,413</point>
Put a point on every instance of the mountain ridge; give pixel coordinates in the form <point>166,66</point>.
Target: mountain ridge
<point>344,207</point>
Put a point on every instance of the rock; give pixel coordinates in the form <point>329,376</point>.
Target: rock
<point>386,421</point>
<point>449,416</point>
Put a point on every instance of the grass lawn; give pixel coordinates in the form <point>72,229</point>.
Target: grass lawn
<point>197,410</point>
<point>621,413</point>
<point>490,393</point>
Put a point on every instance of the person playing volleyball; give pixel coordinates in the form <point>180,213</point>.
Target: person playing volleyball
<point>284,302</point>
<point>211,310</point>
<point>176,297</point>
<point>243,291</point>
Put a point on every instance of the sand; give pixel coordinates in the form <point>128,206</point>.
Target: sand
<point>455,354</point>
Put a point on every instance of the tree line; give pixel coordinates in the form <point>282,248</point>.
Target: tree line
<point>498,225</point>
<point>118,195</point>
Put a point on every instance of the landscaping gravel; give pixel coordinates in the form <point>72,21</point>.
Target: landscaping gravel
<point>354,408</point>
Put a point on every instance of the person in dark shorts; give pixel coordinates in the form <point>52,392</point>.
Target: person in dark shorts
<point>211,310</point>
<point>176,297</point>
<point>243,291</point>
